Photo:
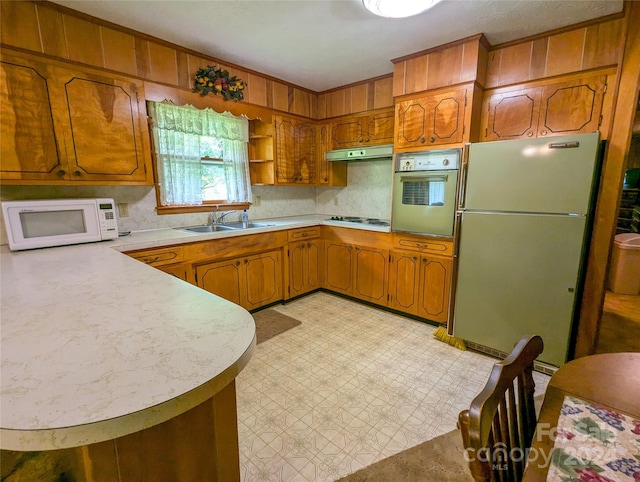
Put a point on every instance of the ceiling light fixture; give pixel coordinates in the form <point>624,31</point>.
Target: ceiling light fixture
<point>398,8</point>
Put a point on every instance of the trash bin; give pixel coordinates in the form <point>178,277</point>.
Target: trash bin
<point>624,270</point>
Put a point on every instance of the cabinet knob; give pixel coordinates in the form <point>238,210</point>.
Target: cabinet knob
<point>61,173</point>
<point>530,134</point>
<point>77,173</point>
<point>367,139</point>
<point>432,139</point>
<point>543,133</point>
<point>415,258</point>
<point>422,140</point>
<point>237,263</point>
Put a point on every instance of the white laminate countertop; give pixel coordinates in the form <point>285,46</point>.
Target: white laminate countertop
<point>96,345</point>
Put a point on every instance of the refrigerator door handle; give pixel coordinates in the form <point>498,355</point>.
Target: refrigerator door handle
<point>462,189</point>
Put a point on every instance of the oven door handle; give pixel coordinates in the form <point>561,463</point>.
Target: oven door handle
<point>423,178</point>
<point>462,199</point>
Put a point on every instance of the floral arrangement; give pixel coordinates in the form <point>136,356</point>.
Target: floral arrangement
<point>216,80</point>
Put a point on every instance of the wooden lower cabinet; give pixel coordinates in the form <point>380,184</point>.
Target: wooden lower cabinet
<point>250,281</point>
<point>434,288</point>
<point>358,271</point>
<point>404,278</point>
<point>180,271</point>
<point>420,284</point>
<point>304,266</point>
<point>370,275</point>
<point>338,273</point>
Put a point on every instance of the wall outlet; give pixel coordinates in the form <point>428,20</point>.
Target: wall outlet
<point>336,201</point>
<point>123,210</point>
<point>256,201</point>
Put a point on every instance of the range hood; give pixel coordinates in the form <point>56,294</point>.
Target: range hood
<point>372,153</point>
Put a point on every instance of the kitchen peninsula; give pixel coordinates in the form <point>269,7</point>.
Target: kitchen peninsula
<point>116,366</point>
<point>123,371</point>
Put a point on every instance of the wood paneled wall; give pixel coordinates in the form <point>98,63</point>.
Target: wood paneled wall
<point>58,32</point>
<point>583,48</point>
<point>453,63</point>
<point>358,97</point>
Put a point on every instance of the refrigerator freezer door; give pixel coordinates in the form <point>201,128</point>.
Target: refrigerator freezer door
<point>517,275</point>
<point>544,175</point>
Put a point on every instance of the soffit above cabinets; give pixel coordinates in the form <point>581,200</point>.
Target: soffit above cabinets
<point>323,44</point>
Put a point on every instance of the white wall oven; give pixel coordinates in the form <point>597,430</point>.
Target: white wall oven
<point>425,190</point>
<point>57,222</point>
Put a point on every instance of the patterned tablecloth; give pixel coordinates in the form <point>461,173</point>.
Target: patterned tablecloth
<point>595,444</point>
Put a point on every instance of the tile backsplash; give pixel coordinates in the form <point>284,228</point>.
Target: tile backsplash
<point>368,194</point>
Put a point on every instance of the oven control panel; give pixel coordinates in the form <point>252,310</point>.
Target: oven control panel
<point>428,160</point>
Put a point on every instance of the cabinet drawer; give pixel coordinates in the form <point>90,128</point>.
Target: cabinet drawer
<point>303,233</point>
<point>158,257</point>
<point>424,244</point>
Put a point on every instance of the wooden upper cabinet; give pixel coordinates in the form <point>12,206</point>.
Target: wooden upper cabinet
<point>295,155</point>
<point>431,119</point>
<point>104,121</point>
<point>513,115</point>
<point>328,173</point>
<point>363,130</point>
<point>71,126</point>
<point>572,107</point>
<point>28,137</point>
<point>569,107</point>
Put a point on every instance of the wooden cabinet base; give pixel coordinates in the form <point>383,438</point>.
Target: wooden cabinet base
<point>201,444</point>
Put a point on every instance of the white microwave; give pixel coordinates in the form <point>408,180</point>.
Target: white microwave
<point>58,222</point>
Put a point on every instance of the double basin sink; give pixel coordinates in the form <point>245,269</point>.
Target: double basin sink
<point>214,228</point>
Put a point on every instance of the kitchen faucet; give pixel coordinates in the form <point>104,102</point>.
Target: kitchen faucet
<point>214,216</point>
<point>224,215</point>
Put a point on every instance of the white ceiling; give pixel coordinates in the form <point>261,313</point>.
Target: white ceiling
<point>322,44</point>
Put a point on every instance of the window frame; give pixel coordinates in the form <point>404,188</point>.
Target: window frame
<point>205,207</point>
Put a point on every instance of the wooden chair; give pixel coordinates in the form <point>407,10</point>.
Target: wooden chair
<point>498,427</point>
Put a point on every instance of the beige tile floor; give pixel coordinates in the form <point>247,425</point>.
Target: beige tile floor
<point>348,387</point>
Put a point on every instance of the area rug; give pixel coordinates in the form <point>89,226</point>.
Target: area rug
<point>270,323</point>
<point>437,460</point>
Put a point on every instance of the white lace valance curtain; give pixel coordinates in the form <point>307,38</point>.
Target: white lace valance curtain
<point>177,131</point>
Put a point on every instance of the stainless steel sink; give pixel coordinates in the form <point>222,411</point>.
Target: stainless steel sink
<point>207,228</point>
<point>240,225</point>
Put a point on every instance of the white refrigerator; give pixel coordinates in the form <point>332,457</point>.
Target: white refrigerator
<point>523,224</point>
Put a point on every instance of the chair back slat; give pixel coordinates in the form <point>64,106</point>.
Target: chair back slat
<point>498,428</point>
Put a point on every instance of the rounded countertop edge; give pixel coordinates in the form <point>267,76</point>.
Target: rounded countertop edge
<point>105,430</point>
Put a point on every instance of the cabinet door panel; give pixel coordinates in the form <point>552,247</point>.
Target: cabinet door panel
<point>305,159</point>
<point>571,107</point>
<point>379,129</point>
<point>347,133</point>
<point>339,267</point>
<point>314,250</point>
<point>512,115</point>
<point>177,270</point>
<point>285,150</point>
<point>323,144</point>
<point>412,123</point>
<point>224,278</point>
<point>264,279</point>
<point>101,111</point>
<point>404,276</point>
<point>297,256</point>
<point>435,275</point>
<point>371,274</point>
<point>447,115</point>
<point>27,136</point>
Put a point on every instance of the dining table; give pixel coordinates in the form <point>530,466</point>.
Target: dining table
<point>589,423</point>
